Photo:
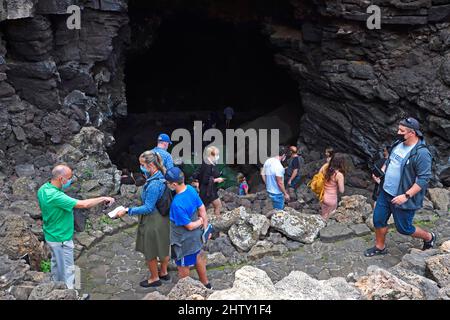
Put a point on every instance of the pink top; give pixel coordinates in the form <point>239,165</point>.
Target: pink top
<point>331,186</point>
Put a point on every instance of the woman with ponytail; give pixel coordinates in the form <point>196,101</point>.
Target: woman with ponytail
<point>334,172</point>
<point>154,229</point>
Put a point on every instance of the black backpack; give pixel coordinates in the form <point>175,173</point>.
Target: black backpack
<point>163,204</point>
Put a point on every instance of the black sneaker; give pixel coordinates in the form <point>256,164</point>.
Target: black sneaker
<point>208,286</point>
<point>165,278</point>
<point>429,244</point>
<point>146,284</point>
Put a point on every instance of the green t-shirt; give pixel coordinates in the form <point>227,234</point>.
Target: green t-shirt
<point>57,213</point>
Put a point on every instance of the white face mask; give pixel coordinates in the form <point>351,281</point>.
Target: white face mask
<point>216,158</point>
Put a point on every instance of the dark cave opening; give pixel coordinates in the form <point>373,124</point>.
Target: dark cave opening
<point>183,66</point>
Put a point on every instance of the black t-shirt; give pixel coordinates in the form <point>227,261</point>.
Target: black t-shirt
<point>294,163</point>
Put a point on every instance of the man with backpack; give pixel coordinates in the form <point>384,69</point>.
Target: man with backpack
<point>407,172</point>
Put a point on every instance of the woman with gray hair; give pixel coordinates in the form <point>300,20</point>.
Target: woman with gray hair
<point>154,229</point>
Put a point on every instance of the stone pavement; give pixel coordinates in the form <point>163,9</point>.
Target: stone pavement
<point>112,269</point>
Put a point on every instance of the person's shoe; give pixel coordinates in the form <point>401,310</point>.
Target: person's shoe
<point>146,284</point>
<point>85,296</point>
<point>374,251</point>
<point>165,278</point>
<point>429,244</point>
<point>208,286</point>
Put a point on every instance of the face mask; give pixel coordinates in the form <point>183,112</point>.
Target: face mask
<point>170,187</point>
<point>67,184</point>
<point>216,158</point>
<point>401,137</point>
<point>144,170</point>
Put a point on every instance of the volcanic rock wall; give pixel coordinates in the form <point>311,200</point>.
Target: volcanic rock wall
<point>55,81</point>
<point>356,83</point>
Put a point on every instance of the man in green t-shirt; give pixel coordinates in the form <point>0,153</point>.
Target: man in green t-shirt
<point>58,222</point>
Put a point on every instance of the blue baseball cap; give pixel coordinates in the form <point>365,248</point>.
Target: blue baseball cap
<point>412,124</point>
<point>174,174</point>
<point>164,137</point>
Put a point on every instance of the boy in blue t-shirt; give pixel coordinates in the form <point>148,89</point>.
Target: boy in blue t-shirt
<point>187,220</point>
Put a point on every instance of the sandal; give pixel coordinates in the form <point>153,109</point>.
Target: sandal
<point>374,251</point>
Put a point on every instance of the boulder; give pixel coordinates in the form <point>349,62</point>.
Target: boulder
<point>250,283</point>
<point>248,230</point>
<point>30,207</point>
<point>428,287</point>
<point>155,295</point>
<point>352,209</point>
<point>300,227</point>
<point>254,284</point>
<point>440,198</point>
<point>360,230</point>
<point>53,291</point>
<point>24,188</point>
<point>226,219</point>
<point>415,261</point>
<point>187,287</point>
<point>17,240</point>
<point>335,232</point>
<point>380,284</point>
<point>300,286</point>
<point>445,247</point>
<point>25,170</point>
<point>223,245</point>
<point>439,268</point>
<point>264,247</point>
<point>216,259</point>
<point>444,293</point>
<point>18,9</point>
<point>11,272</point>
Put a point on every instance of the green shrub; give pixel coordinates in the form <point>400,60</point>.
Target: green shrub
<point>45,266</point>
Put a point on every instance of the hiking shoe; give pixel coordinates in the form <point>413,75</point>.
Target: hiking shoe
<point>429,244</point>
<point>374,251</point>
<point>146,284</point>
<point>208,286</point>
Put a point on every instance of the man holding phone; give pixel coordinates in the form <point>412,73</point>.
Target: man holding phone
<point>407,173</point>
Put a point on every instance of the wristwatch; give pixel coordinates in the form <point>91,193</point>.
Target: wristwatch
<point>407,196</point>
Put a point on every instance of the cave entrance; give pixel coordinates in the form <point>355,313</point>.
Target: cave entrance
<point>183,66</point>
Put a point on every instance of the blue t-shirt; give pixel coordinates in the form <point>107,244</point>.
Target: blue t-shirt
<point>166,157</point>
<point>393,173</point>
<point>184,205</point>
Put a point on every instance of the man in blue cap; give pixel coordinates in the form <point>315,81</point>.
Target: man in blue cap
<point>188,220</point>
<point>161,148</point>
<point>407,172</point>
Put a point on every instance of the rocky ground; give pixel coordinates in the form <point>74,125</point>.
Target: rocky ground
<point>112,269</point>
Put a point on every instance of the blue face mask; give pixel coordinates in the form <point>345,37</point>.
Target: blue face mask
<point>144,170</point>
<point>67,184</point>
